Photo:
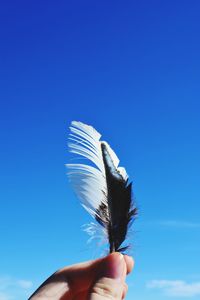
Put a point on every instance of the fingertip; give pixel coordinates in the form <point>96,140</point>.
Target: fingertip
<point>129,263</point>
<point>114,266</point>
<point>116,257</point>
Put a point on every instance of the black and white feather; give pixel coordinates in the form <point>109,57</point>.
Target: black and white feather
<point>101,185</point>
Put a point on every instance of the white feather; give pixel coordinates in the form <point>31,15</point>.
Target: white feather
<point>89,181</point>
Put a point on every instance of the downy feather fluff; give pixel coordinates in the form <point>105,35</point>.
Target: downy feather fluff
<point>101,185</point>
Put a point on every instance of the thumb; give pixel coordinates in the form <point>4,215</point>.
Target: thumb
<point>110,284</point>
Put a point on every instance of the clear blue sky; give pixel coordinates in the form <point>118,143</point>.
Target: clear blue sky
<point>132,70</point>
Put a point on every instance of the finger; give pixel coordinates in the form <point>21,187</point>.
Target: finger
<point>84,295</point>
<point>110,284</point>
<point>129,263</point>
<point>106,289</point>
<point>125,290</point>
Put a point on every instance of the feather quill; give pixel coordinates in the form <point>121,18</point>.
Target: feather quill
<point>101,185</point>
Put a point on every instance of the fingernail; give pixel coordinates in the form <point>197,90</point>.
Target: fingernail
<point>114,266</point>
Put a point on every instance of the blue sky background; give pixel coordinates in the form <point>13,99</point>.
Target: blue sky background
<point>132,70</point>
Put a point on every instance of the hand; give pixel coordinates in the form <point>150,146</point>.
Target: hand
<point>101,279</point>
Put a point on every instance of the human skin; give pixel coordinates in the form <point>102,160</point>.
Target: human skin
<point>101,279</point>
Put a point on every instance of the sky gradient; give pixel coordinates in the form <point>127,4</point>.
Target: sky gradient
<point>132,70</point>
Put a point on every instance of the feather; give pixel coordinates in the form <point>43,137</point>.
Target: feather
<point>101,185</point>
